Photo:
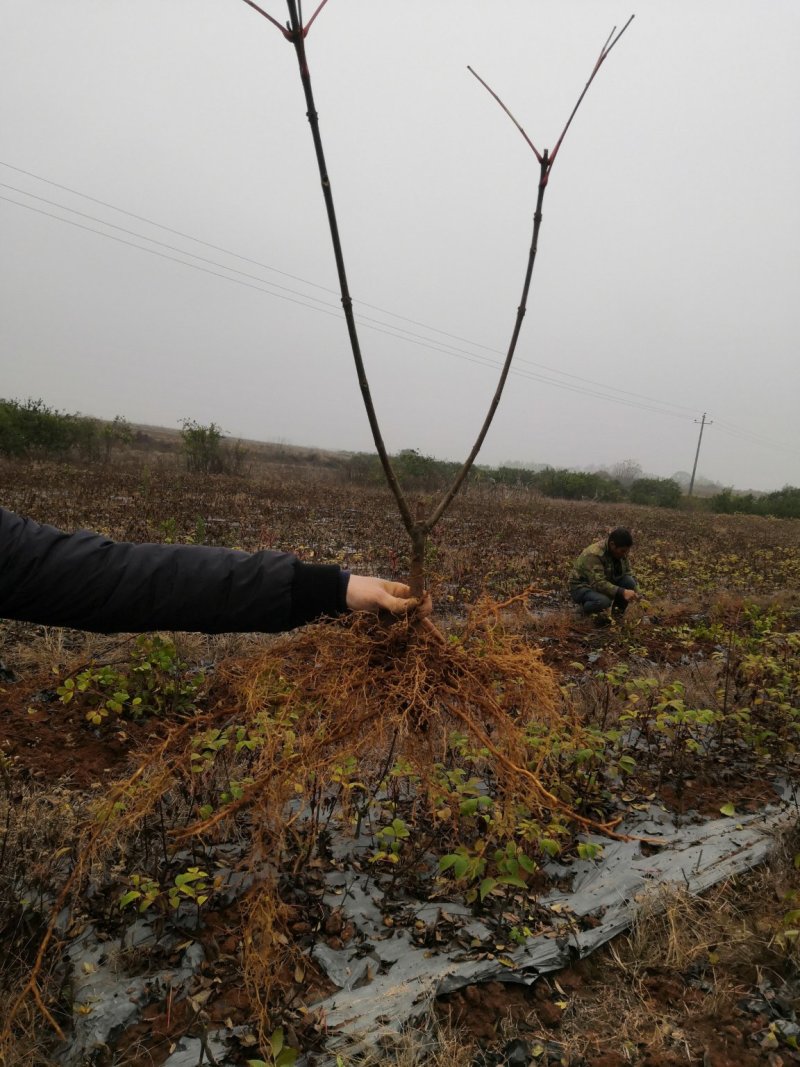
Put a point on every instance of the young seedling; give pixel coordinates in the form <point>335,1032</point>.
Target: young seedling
<point>419,525</point>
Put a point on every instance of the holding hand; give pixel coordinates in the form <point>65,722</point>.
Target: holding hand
<point>378,594</point>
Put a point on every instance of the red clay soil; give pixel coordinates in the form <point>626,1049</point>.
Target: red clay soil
<point>707,797</point>
<point>51,741</point>
<point>689,1026</point>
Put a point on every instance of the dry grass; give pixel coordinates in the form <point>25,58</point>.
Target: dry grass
<point>675,930</point>
<point>431,1043</point>
<point>35,823</point>
<point>645,1000</point>
<point>30,650</point>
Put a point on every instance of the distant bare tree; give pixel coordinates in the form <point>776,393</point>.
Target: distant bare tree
<point>626,472</point>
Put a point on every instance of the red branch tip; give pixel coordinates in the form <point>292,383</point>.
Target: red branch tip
<point>611,40</point>
<point>286,33</point>
<point>311,20</point>
<point>530,143</point>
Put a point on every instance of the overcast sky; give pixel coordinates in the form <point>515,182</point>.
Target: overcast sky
<point>667,282</point>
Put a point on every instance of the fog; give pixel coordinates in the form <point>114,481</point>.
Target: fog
<point>166,255</point>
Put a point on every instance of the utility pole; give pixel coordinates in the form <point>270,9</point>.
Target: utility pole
<point>703,424</point>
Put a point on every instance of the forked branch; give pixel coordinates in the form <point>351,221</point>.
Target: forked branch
<point>610,42</point>
<point>419,526</point>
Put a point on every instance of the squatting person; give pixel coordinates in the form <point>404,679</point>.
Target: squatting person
<point>85,581</point>
<point>601,575</point>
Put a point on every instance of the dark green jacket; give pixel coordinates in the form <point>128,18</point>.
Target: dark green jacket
<point>595,568</point>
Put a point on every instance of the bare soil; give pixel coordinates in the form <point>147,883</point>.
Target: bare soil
<point>710,989</point>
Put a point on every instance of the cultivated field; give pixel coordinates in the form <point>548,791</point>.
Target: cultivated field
<point>204,791</point>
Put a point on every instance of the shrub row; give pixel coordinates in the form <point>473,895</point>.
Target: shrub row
<point>417,471</point>
<point>783,503</point>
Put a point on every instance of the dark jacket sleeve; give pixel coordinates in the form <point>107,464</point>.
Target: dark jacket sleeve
<point>88,582</point>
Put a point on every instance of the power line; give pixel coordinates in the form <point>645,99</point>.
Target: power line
<point>152,240</point>
<point>479,360</point>
<point>294,277</point>
<point>163,255</point>
<point>161,226</point>
<point>756,439</point>
<point>623,397</point>
<point>330,309</point>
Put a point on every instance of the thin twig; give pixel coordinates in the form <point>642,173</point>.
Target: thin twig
<point>530,143</point>
<point>545,166</point>
<point>310,22</point>
<point>600,60</point>
<point>523,304</point>
<point>269,18</point>
<point>347,302</point>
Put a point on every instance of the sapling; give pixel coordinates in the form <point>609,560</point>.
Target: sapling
<point>417,523</point>
<point>322,711</point>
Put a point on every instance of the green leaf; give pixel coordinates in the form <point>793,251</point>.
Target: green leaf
<point>486,886</point>
<point>461,866</point>
<point>588,851</point>
<point>728,809</point>
<point>511,879</point>
<point>276,1042</point>
<point>286,1057</point>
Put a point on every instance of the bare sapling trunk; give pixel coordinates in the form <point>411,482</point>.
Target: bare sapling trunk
<point>419,540</point>
<point>418,525</point>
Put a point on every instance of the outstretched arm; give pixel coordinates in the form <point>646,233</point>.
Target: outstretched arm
<point>89,582</point>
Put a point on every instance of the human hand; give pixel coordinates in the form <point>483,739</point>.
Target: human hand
<point>628,594</point>
<point>377,594</point>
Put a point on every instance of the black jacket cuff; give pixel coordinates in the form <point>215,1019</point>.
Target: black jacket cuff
<point>317,589</point>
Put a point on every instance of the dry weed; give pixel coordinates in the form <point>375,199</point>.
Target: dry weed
<point>675,930</point>
<point>430,1043</point>
<point>27,649</point>
<point>645,1002</point>
<point>623,1010</point>
<point>687,959</point>
<point>24,1048</point>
